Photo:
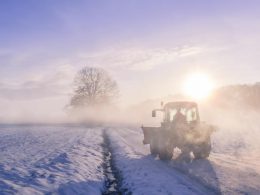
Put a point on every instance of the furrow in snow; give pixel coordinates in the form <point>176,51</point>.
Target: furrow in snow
<point>142,174</point>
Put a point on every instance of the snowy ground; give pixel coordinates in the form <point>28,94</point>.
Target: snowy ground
<point>72,160</point>
<point>40,160</point>
<point>143,174</point>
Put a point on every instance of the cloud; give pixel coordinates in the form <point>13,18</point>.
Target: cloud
<point>39,97</point>
<point>116,58</point>
<point>138,59</point>
<point>39,85</point>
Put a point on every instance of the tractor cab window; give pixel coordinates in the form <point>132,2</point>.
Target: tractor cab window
<point>171,113</point>
<point>191,115</point>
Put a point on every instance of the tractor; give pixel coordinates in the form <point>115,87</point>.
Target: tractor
<point>181,128</point>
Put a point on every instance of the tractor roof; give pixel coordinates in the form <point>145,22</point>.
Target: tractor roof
<point>180,104</point>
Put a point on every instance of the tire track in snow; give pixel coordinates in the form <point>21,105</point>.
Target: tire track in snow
<point>112,174</point>
<point>131,148</point>
<point>220,174</point>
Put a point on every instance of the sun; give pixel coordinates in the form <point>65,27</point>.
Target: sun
<point>198,86</point>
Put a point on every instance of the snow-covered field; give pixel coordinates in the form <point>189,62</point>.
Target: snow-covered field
<point>51,159</point>
<point>72,160</point>
<point>143,174</point>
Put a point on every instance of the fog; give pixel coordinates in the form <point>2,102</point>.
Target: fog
<point>237,124</point>
<point>237,129</point>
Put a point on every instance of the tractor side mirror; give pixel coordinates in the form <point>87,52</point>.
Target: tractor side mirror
<point>153,113</point>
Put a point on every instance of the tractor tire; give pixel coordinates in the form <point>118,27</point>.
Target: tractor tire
<point>203,151</point>
<point>154,147</point>
<point>185,155</point>
<point>166,153</point>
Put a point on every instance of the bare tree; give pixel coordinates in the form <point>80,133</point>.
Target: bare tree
<point>93,86</point>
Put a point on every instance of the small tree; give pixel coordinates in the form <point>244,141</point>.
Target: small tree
<point>92,87</point>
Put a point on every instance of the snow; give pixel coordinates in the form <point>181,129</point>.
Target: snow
<point>66,159</point>
<point>220,174</point>
<point>55,159</point>
<point>142,174</point>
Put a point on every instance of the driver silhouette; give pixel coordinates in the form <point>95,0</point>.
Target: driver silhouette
<point>179,117</point>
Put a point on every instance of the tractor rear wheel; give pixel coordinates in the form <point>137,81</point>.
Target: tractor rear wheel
<point>203,151</point>
<point>166,152</point>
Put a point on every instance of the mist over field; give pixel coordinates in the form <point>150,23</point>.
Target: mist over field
<point>237,121</point>
<point>231,109</point>
<point>235,117</point>
<point>84,87</point>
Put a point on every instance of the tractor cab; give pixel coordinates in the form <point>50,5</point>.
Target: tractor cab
<point>174,111</point>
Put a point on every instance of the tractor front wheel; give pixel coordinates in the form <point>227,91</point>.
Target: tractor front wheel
<point>154,147</point>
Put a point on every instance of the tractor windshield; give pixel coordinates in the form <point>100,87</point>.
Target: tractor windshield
<point>190,114</point>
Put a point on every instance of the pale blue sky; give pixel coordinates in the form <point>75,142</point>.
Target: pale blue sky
<point>144,44</point>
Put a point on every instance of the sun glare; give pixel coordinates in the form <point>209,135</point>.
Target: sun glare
<point>198,86</point>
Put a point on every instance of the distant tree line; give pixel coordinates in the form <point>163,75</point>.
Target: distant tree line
<point>244,96</point>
